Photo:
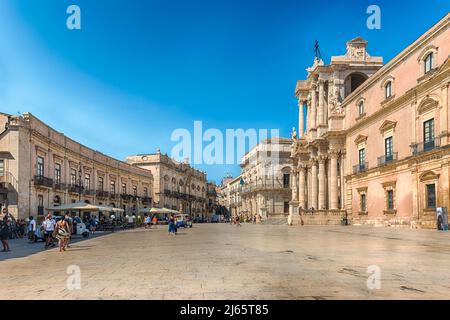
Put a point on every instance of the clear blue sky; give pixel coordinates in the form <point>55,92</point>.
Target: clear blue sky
<point>140,69</point>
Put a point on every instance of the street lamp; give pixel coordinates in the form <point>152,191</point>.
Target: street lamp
<point>79,184</point>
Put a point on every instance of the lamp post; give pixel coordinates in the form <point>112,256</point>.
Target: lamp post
<point>80,188</point>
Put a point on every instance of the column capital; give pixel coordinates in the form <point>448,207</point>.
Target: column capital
<point>321,159</point>
<point>333,153</point>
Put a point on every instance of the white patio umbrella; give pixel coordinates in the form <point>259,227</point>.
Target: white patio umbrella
<point>82,206</point>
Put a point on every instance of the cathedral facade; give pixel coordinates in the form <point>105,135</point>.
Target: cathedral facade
<point>373,145</point>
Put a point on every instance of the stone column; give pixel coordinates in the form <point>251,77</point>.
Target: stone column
<point>322,184</point>
<point>313,106</point>
<point>334,203</point>
<point>314,185</point>
<point>321,114</point>
<point>301,186</point>
<point>294,185</point>
<point>301,120</point>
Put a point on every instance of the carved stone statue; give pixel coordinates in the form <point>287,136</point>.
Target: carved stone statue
<point>294,135</point>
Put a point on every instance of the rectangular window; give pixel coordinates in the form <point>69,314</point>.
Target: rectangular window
<point>2,168</point>
<point>363,203</point>
<point>286,207</point>
<point>431,196</point>
<point>388,149</point>
<point>362,159</point>
<point>40,166</point>
<point>286,180</point>
<point>112,187</point>
<point>145,192</point>
<point>124,188</point>
<point>135,191</point>
<point>100,184</point>
<point>428,134</point>
<point>73,177</point>
<point>390,199</point>
<point>57,173</point>
<point>87,181</point>
<point>40,205</point>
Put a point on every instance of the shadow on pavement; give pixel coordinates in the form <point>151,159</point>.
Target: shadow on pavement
<point>21,248</point>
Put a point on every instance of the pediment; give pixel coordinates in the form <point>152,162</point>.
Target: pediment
<point>387,125</point>
<point>360,139</point>
<point>429,175</point>
<point>427,104</point>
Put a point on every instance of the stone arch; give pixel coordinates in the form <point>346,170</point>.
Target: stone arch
<point>353,81</point>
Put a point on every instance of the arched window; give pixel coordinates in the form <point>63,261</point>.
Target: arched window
<point>428,62</point>
<point>388,89</point>
<point>361,111</point>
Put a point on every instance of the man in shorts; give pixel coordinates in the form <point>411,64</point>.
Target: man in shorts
<point>32,230</point>
<point>49,227</point>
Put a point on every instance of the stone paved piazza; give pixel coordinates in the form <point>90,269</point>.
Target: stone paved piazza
<point>251,262</point>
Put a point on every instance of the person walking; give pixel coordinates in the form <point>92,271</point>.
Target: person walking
<point>147,222</point>
<point>5,232</point>
<point>172,227</point>
<point>69,221</point>
<point>155,221</point>
<point>49,227</point>
<point>32,230</point>
<point>93,225</point>
<point>62,234</point>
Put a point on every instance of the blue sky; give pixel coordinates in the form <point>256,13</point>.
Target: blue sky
<point>140,69</point>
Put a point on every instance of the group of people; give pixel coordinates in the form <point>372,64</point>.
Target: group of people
<point>236,220</point>
<point>53,228</point>
<point>149,221</point>
<point>60,229</point>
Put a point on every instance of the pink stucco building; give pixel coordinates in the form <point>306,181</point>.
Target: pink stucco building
<point>375,146</point>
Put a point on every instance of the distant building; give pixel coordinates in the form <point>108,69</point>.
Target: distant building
<point>266,179</point>
<point>177,185</point>
<point>41,168</point>
<point>264,186</point>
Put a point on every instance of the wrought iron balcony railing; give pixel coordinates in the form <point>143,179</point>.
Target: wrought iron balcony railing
<point>43,181</point>
<point>102,194</point>
<point>146,200</point>
<point>417,148</point>
<point>360,167</point>
<point>386,159</point>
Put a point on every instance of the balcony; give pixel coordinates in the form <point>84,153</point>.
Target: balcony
<point>89,192</point>
<point>42,181</point>
<point>113,196</point>
<point>74,188</point>
<point>146,200</point>
<point>59,186</point>
<point>126,197</point>
<point>102,194</point>
<point>417,148</point>
<point>359,168</point>
<point>386,159</point>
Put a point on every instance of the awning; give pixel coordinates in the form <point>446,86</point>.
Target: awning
<point>82,206</point>
<point>158,211</point>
